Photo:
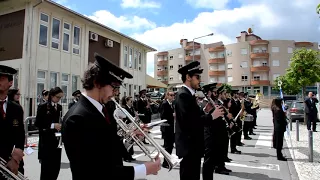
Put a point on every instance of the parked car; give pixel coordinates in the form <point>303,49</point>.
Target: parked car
<point>296,111</point>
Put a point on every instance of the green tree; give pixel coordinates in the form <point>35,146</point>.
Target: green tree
<point>288,87</point>
<point>228,87</point>
<point>304,69</point>
<point>318,9</point>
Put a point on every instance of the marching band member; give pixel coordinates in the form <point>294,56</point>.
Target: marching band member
<point>143,107</point>
<point>234,110</point>
<point>254,114</point>
<point>190,123</point>
<point>167,113</point>
<point>76,96</point>
<point>90,123</point>
<point>247,107</point>
<point>48,122</point>
<point>45,95</point>
<point>12,134</point>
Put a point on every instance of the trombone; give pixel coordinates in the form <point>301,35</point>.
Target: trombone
<point>128,134</point>
<point>7,174</point>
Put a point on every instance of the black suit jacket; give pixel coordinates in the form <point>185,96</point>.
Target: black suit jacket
<point>11,130</point>
<point>235,107</point>
<point>46,115</point>
<point>279,119</point>
<point>189,124</point>
<point>166,112</point>
<point>71,104</point>
<point>92,145</point>
<point>311,106</point>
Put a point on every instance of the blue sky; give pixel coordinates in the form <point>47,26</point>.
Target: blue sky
<point>162,23</point>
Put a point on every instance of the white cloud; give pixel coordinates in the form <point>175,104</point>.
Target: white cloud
<point>122,22</point>
<point>209,4</point>
<point>140,4</point>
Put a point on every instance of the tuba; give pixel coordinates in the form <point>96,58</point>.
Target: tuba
<point>5,173</point>
<point>127,131</point>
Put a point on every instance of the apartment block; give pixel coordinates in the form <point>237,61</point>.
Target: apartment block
<point>250,64</point>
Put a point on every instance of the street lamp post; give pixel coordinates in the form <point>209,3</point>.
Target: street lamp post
<point>211,34</point>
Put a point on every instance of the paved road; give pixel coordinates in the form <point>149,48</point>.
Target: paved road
<point>257,161</point>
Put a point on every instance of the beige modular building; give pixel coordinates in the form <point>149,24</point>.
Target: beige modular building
<point>251,64</point>
<point>51,45</point>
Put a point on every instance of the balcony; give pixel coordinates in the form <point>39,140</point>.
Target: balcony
<point>216,49</point>
<point>303,44</point>
<point>164,53</point>
<point>260,82</point>
<point>162,63</point>
<point>162,73</point>
<point>190,47</point>
<point>164,82</point>
<point>217,60</point>
<point>260,69</point>
<point>256,55</point>
<point>259,42</point>
<point>190,58</point>
<point>217,72</point>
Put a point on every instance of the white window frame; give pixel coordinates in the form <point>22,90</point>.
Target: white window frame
<point>171,78</point>
<point>274,76</point>
<point>256,78</point>
<point>230,78</point>
<point>125,56</point>
<point>68,32</point>
<point>56,81</point>
<point>130,57</point>
<point>243,79</point>
<point>273,63</point>
<point>244,63</point>
<point>76,46</point>
<point>77,84</point>
<point>180,56</point>
<point>289,62</point>
<point>46,24</point>
<point>171,67</point>
<point>244,51</point>
<point>273,49</point>
<point>139,61</point>
<point>65,83</point>
<point>290,50</point>
<point>229,65</point>
<point>41,81</point>
<point>135,58</point>
<point>54,40</point>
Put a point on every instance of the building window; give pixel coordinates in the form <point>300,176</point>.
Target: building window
<point>229,53</point>
<point>275,49</point>
<point>289,62</point>
<point>256,78</point>
<point>43,32</point>
<point>244,51</point>
<point>275,76</point>
<point>290,50</point>
<point>125,56</point>
<point>75,83</point>
<point>16,79</point>
<point>171,57</point>
<point>221,67</point>
<point>125,89</point>
<point>53,79</point>
<point>140,60</point>
<point>76,40</point>
<point>64,87</point>
<point>230,78</point>
<point>135,63</point>
<point>66,37</point>
<point>139,89</point>
<point>213,80</point>
<point>244,64</point>
<point>180,66</point>
<point>180,56</point>
<point>221,79</point>
<point>55,36</point>
<point>41,80</point>
<point>130,57</point>
<point>171,67</point>
<point>229,65</point>
<point>171,78</point>
<point>275,63</point>
<point>244,78</point>
<point>130,89</point>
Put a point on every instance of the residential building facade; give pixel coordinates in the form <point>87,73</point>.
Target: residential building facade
<point>51,45</point>
<point>251,64</point>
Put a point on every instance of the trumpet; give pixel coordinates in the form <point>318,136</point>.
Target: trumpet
<point>7,174</point>
<point>128,133</point>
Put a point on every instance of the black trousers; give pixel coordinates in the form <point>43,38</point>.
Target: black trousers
<point>238,135</point>
<point>190,167</point>
<point>209,164</point>
<point>50,165</point>
<point>233,140</point>
<point>246,128</point>
<point>168,138</point>
<point>278,142</point>
<point>312,118</point>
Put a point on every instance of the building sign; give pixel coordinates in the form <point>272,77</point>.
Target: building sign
<point>11,35</point>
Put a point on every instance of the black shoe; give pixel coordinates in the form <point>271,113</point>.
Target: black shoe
<point>252,133</point>
<point>132,159</point>
<point>235,151</point>
<point>227,160</point>
<point>315,131</point>
<point>228,170</point>
<point>282,158</point>
<point>165,166</point>
<point>247,138</point>
<point>240,144</point>
<point>221,171</point>
<point>127,160</point>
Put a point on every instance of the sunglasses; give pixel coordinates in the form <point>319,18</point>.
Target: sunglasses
<point>115,86</point>
<point>171,94</point>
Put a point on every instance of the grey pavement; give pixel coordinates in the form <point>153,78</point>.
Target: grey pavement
<point>258,160</point>
<point>300,152</point>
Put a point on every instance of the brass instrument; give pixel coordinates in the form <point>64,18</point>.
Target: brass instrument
<point>7,174</point>
<point>128,132</point>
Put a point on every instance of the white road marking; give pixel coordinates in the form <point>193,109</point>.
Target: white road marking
<point>155,131</point>
<point>264,140</point>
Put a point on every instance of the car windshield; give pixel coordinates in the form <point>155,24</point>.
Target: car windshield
<point>299,105</point>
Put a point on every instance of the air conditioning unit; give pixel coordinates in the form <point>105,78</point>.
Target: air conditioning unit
<point>108,43</point>
<point>93,36</point>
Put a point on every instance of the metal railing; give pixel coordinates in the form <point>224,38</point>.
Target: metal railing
<point>29,122</point>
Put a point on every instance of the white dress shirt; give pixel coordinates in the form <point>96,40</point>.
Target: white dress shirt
<point>192,91</point>
<point>140,171</point>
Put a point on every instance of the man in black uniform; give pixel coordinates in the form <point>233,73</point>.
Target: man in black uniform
<point>12,135</point>
<point>190,124</point>
<point>234,110</point>
<point>89,122</point>
<point>246,124</point>
<point>76,96</point>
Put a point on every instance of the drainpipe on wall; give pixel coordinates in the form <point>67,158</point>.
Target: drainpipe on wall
<point>29,107</point>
